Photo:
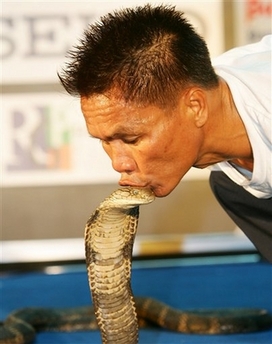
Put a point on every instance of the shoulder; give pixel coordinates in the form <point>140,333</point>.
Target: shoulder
<point>247,71</point>
<point>247,53</point>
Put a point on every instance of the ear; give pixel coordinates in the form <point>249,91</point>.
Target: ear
<point>196,101</point>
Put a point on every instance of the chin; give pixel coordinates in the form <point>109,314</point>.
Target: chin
<point>164,190</point>
<point>161,192</point>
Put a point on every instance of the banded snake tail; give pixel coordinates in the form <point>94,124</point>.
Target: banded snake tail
<point>109,237</point>
<point>21,326</point>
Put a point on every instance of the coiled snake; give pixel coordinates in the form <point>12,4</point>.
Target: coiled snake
<point>109,237</point>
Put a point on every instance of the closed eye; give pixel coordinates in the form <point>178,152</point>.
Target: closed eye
<point>124,140</point>
<point>131,141</point>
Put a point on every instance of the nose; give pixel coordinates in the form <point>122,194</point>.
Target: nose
<point>121,158</point>
<point>123,164</point>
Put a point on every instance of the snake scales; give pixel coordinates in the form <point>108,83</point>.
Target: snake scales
<point>109,237</point>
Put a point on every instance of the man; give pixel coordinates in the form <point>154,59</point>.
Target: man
<point>149,92</point>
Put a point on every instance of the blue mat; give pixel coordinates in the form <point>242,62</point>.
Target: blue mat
<point>184,287</point>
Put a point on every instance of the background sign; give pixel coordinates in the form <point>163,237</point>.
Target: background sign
<point>253,20</point>
<point>36,35</point>
<point>46,142</point>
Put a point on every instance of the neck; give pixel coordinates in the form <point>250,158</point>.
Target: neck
<point>225,134</point>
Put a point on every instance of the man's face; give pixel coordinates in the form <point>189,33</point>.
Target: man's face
<point>149,147</point>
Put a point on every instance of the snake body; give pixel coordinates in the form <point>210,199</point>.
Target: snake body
<point>109,236</point>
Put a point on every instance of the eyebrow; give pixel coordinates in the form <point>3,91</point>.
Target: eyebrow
<point>120,132</point>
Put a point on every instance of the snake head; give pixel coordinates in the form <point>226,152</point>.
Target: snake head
<point>129,197</point>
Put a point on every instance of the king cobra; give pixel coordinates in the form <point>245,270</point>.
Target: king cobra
<point>109,238</point>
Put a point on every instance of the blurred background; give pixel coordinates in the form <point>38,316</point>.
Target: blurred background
<point>54,175</point>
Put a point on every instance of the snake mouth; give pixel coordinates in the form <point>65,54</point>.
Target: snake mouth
<point>144,194</point>
<point>129,197</point>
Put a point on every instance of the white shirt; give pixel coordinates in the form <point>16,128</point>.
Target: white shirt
<point>247,71</point>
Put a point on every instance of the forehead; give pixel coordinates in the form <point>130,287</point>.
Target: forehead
<point>103,106</point>
<point>102,112</point>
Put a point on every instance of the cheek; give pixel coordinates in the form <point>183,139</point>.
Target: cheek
<point>153,153</point>
<point>168,149</point>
